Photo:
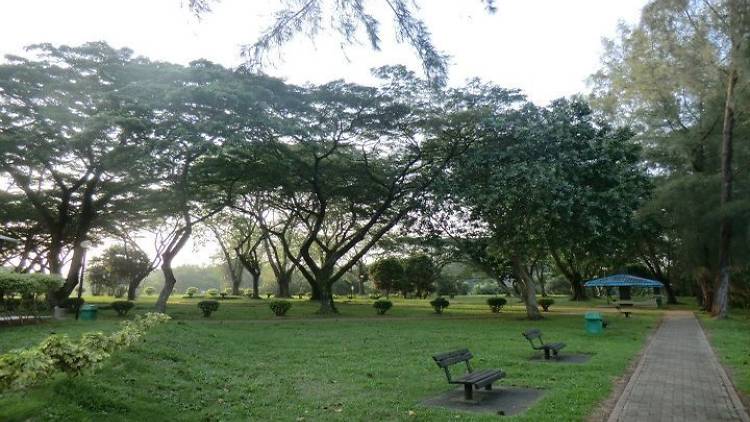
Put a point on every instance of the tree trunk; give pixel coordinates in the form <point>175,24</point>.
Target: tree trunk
<point>314,292</point>
<point>526,285</point>
<point>327,306</point>
<point>134,284</point>
<point>578,291</point>
<point>237,280</point>
<point>705,283</point>
<point>720,305</point>
<point>256,284</point>
<point>166,266</point>
<point>169,282</point>
<point>284,282</point>
<point>671,297</point>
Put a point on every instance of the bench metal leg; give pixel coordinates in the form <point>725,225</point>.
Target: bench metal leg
<point>468,391</point>
<point>488,387</point>
<point>546,354</point>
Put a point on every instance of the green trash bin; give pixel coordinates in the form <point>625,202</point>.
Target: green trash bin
<point>88,312</point>
<point>594,322</point>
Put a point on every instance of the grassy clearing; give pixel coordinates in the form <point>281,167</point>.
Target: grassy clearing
<point>731,340</point>
<point>357,367</point>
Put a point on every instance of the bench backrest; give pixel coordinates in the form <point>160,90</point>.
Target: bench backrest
<point>532,335</point>
<point>444,360</point>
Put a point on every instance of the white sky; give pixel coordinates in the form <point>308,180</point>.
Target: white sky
<point>547,48</point>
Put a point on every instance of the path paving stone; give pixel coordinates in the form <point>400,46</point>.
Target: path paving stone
<point>679,379</point>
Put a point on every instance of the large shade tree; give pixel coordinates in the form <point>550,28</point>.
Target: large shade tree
<point>679,76</point>
<point>74,128</point>
<point>349,163</point>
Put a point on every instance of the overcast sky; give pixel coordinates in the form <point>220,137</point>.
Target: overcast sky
<point>547,48</point>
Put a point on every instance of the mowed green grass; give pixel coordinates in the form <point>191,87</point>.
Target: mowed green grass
<point>243,364</point>
<point>731,340</point>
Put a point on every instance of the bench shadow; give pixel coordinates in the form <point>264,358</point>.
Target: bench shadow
<point>506,401</point>
<point>576,358</point>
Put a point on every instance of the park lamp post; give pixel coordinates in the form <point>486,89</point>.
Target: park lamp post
<point>85,245</point>
<point>351,294</point>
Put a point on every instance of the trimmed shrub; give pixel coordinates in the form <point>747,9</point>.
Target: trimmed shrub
<point>545,303</point>
<point>149,291</point>
<point>208,307</point>
<point>27,284</point>
<point>191,291</point>
<point>212,292</point>
<point>382,306</point>
<point>122,307</point>
<point>496,303</point>
<point>280,307</point>
<point>57,353</point>
<point>439,304</point>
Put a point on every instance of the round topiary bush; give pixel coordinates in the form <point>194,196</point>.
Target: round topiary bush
<point>208,307</point>
<point>280,307</point>
<point>122,307</point>
<point>439,304</point>
<point>496,303</point>
<point>212,292</point>
<point>191,291</point>
<point>382,306</point>
<point>149,291</point>
<point>545,303</point>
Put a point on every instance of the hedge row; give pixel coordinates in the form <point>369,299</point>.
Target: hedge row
<point>28,284</point>
<point>57,353</point>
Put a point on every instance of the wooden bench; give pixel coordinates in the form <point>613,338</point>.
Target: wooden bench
<point>471,379</point>
<point>536,334</point>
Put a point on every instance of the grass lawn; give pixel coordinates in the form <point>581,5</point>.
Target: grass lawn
<point>731,340</point>
<point>245,364</point>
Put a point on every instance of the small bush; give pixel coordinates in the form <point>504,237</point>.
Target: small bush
<point>122,307</point>
<point>212,292</point>
<point>280,307</point>
<point>439,304</point>
<point>72,303</point>
<point>496,303</point>
<point>208,307</point>
<point>545,303</point>
<point>382,306</point>
<point>191,291</point>
<point>149,291</point>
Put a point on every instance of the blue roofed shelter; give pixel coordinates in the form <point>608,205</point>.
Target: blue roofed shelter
<point>624,283</point>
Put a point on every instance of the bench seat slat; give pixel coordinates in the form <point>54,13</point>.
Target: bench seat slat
<point>555,346</point>
<point>480,378</point>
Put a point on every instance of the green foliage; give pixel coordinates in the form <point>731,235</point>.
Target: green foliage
<point>496,303</point>
<point>439,304</point>
<point>58,353</point>
<point>122,307</point>
<point>191,291</point>
<point>387,274</point>
<point>208,307</point>
<point>420,274</point>
<point>212,292</point>
<point>382,306</point>
<point>280,307</point>
<point>116,268</point>
<point>451,288</point>
<point>27,283</point>
<point>545,303</point>
<point>149,291</point>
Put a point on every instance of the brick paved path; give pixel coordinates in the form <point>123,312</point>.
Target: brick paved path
<point>679,379</point>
